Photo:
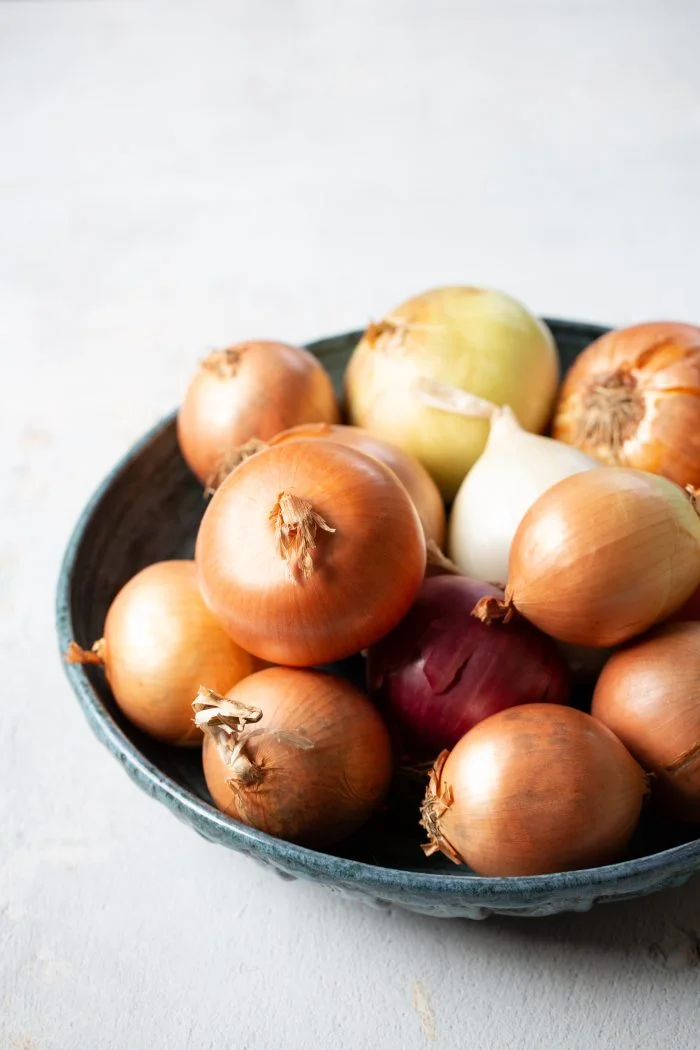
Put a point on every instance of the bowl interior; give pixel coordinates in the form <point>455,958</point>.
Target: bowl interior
<point>149,510</point>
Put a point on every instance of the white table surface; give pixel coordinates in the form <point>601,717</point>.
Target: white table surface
<point>172,179</point>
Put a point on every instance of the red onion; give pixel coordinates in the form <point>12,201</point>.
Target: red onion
<point>441,670</point>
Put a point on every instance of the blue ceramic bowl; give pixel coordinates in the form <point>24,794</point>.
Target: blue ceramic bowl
<point>148,510</point>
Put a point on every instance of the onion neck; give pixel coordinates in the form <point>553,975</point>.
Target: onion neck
<point>224,363</point>
<point>225,721</point>
<point>296,523</point>
<point>230,460</point>
<point>492,610</point>
<point>437,801</point>
<point>612,409</point>
<point>95,655</point>
<point>694,498</point>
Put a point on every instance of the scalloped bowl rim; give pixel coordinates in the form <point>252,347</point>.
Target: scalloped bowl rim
<point>165,789</point>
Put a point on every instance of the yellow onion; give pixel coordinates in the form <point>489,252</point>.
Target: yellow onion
<point>633,399</point>
<point>534,789</point>
<point>602,556</point>
<point>160,642</point>
<point>298,754</point>
<point>479,340</point>
<point>649,695</point>
<point>251,390</point>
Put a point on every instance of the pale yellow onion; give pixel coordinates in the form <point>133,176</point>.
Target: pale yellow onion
<point>514,469</point>
<point>602,556</point>
<point>477,339</point>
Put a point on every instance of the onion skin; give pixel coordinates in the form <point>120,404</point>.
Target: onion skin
<point>533,790</point>
<point>315,795</point>
<point>412,474</point>
<point>160,643</point>
<point>364,575</point>
<point>251,390</point>
<point>604,555</point>
<point>440,672</point>
<point>649,695</point>
<point>632,398</point>
<point>474,338</point>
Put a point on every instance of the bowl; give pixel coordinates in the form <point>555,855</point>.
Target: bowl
<point>148,510</point>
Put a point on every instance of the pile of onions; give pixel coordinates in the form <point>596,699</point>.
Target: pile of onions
<point>252,390</point>
<point>479,340</point>
<point>535,789</point>
<point>412,474</point>
<point>649,695</point>
<point>633,399</point>
<point>602,556</point>
<point>160,642</point>
<point>309,552</point>
<point>440,672</point>
<point>297,754</point>
<point>514,469</point>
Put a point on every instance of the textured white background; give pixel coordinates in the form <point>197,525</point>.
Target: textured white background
<point>172,178</point>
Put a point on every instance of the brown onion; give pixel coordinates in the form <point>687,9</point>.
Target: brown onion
<point>532,790</point>
<point>649,695</point>
<point>309,552</point>
<point>633,399</point>
<point>418,482</point>
<point>298,754</point>
<point>602,556</point>
<point>160,642</point>
<point>254,389</point>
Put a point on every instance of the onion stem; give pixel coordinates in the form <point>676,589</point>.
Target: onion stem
<point>296,524</point>
<point>75,655</point>
<point>491,610</point>
<point>224,363</point>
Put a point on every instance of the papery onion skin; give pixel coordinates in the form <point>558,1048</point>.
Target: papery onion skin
<point>536,789</point>
<point>649,695</point>
<point>251,390</point>
<point>604,555</point>
<point>316,795</point>
<point>418,482</point>
<point>479,340</point>
<point>440,671</point>
<point>160,643</point>
<point>632,398</point>
<point>364,574</point>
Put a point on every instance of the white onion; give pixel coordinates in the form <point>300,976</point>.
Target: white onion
<point>514,469</point>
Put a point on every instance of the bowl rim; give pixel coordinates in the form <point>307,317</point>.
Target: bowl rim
<point>162,787</point>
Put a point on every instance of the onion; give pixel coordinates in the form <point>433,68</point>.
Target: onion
<point>514,469</point>
<point>160,641</point>
<point>441,671</point>
<point>633,399</point>
<point>309,552</point>
<point>649,695</point>
<point>535,789</point>
<point>602,556</point>
<point>250,390</point>
<point>412,474</point>
<point>481,341</point>
<point>313,768</point>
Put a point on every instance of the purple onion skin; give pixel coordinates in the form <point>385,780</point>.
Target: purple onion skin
<point>441,671</point>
